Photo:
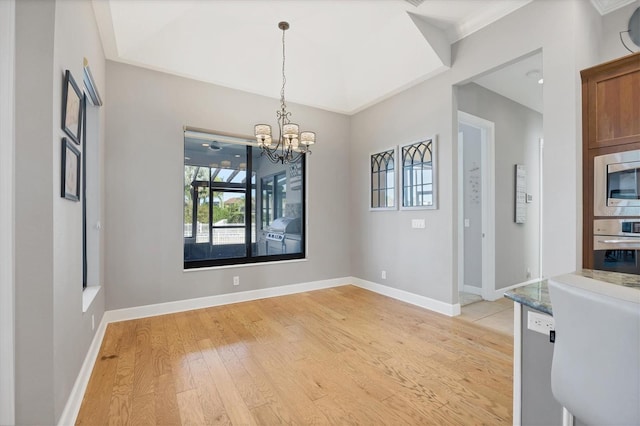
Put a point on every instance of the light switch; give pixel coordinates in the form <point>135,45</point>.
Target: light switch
<point>417,223</point>
<point>466,223</point>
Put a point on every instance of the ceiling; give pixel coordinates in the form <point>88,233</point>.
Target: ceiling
<point>518,81</point>
<point>342,55</point>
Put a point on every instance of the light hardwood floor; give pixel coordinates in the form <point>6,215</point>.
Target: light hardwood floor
<point>337,356</point>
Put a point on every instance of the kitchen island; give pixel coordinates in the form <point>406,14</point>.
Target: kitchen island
<point>533,352</point>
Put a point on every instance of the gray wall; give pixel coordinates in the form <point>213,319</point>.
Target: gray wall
<point>472,178</point>
<point>612,23</point>
<point>422,260</point>
<point>144,170</point>
<point>518,130</point>
<point>52,333</point>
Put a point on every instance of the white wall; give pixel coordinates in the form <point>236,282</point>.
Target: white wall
<point>72,327</point>
<point>146,113</point>
<point>52,333</point>
<point>518,130</point>
<point>612,23</point>
<point>422,261</point>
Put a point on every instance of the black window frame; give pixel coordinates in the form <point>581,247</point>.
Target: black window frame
<point>251,256</point>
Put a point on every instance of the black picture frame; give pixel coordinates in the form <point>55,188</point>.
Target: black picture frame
<point>71,108</point>
<point>70,171</point>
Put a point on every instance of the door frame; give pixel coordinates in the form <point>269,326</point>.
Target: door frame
<point>7,237</point>
<point>487,167</point>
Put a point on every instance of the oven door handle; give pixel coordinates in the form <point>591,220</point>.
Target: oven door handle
<point>619,242</point>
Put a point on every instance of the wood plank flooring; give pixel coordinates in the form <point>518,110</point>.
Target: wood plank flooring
<point>337,356</point>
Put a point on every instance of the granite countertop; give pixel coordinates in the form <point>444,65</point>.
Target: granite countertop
<point>536,295</point>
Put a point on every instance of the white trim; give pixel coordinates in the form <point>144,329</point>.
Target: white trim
<point>607,6</point>
<point>461,209</point>
<point>88,296</point>
<point>517,364</point>
<point>72,408</point>
<point>540,205</point>
<point>412,298</point>
<point>567,417</point>
<point>7,237</point>
<point>488,177</point>
<point>472,289</point>
<point>499,293</point>
<point>221,299</point>
<point>485,18</point>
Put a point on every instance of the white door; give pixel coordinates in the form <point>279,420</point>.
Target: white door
<point>7,58</point>
<point>476,243</point>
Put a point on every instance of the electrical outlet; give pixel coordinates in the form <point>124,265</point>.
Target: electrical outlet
<point>417,223</point>
<point>236,280</point>
<point>540,323</point>
<point>384,275</point>
<point>528,273</point>
<point>93,322</point>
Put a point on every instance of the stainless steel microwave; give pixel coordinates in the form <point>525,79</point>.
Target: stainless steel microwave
<point>617,184</point>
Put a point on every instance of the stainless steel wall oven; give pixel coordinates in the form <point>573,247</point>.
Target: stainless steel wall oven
<point>617,184</point>
<point>616,245</point>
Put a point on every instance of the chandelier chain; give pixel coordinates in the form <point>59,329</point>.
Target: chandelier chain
<point>290,145</point>
<point>284,78</point>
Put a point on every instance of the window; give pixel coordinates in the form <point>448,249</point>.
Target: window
<point>274,198</point>
<point>383,180</point>
<point>228,219</point>
<point>419,175</point>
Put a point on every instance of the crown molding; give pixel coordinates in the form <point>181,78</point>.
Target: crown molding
<point>607,6</point>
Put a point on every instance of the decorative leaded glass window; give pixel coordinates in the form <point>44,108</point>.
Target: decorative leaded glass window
<point>383,180</point>
<point>419,175</point>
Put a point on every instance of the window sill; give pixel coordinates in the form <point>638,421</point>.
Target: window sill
<point>243,265</point>
<point>88,296</point>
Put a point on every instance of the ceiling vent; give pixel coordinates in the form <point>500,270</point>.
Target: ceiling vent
<point>415,3</point>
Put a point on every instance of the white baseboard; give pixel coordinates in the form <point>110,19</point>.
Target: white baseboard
<point>72,408</point>
<point>218,300</point>
<point>472,289</point>
<point>499,293</point>
<point>414,299</point>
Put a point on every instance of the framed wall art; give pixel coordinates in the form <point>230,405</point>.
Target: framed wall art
<point>419,175</point>
<point>383,180</point>
<point>71,108</point>
<point>70,171</point>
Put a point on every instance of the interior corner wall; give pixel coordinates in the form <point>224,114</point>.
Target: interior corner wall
<point>34,212</point>
<point>76,37</point>
<point>144,176</point>
<point>52,333</point>
<point>423,261</point>
<point>518,130</point>
<point>612,23</point>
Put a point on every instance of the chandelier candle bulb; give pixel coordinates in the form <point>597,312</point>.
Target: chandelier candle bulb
<point>290,130</point>
<point>307,138</point>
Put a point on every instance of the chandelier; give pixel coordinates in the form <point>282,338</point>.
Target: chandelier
<point>291,144</point>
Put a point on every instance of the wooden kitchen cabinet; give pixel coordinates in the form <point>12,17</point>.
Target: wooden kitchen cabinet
<point>610,123</point>
<point>611,99</point>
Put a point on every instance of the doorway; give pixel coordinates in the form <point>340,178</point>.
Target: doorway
<point>499,218</point>
<point>476,268</point>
